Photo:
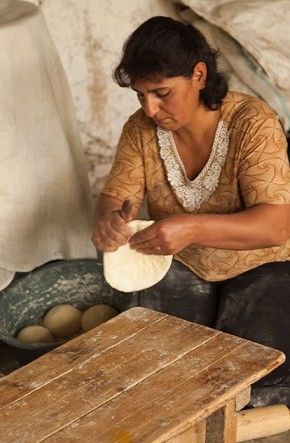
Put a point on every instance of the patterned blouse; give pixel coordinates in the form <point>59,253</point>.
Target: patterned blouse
<point>248,165</point>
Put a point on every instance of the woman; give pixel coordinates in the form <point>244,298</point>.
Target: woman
<point>213,165</point>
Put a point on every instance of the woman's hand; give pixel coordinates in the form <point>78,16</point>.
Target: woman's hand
<point>111,230</point>
<point>165,237</point>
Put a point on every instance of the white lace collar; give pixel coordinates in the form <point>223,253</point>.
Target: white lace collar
<point>191,194</point>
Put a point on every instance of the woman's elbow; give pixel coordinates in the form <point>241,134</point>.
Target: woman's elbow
<point>280,224</point>
<point>280,235</point>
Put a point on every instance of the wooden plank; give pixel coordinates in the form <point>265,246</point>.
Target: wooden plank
<point>157,391</point>
<point>221,384</point>
<point>97,380</point>
<point>171,401</point>
<point>243,398</point>
<point>64,358</point>
<point>263,422</point>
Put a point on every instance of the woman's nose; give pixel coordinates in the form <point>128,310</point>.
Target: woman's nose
<point>150,106</point>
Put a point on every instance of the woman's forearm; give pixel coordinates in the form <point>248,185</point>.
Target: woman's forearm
<point>261,226</point>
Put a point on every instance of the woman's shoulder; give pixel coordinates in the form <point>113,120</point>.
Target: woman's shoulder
<point>240,108</point>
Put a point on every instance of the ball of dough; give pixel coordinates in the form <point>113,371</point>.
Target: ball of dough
<point>35,334</point>
<point>96,315</point>
<point>63,320</point>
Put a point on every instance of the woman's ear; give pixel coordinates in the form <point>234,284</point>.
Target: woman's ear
<point>199,75</point>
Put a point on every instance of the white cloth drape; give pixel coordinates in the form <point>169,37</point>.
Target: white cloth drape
<point>45,205</point>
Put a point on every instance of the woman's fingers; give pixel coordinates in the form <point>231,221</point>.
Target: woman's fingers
<point>144,236</point>
<point>117,223</point>
<point>110,232</point>
<point>145,244</point>
<point>154,251</point>
<point>152,248</point>
<point>108,238</point>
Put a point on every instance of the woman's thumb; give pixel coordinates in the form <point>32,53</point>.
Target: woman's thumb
<point>126,211</point>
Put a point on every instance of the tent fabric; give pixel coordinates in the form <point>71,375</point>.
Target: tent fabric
<point>46,210</point>
<point>254,39</point>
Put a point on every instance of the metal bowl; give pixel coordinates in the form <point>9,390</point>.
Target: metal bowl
<point>25,308</point>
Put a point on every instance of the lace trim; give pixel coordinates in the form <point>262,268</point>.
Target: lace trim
<point>191,194</point>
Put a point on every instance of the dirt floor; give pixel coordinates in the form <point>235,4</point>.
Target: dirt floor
<point>9,361</point>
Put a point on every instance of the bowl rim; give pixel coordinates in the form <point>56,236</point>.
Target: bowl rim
<point>12,341</point>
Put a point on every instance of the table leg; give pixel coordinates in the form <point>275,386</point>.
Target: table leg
<point>221,426</point>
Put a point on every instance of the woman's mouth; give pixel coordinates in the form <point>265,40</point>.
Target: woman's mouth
<point>161,120</point>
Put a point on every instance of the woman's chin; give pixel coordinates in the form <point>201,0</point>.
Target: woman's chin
<point>165,124</point>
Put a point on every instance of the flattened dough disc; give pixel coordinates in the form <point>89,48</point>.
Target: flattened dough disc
<point>128,270</point>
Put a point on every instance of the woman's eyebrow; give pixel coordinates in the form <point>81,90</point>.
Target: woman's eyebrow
<point>151,90</point>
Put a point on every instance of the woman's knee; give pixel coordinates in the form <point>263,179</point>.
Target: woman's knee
<point>255,298</point>
<point>183,294</point>
<point>255,305</point>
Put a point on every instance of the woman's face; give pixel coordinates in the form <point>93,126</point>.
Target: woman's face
<point>171,102</point>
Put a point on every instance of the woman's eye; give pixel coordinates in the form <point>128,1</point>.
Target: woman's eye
<point>162,94</point>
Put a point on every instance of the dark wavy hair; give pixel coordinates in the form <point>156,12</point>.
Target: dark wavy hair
<point>163,47</point>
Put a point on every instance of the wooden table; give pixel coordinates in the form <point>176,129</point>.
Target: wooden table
<point>141,377</point>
